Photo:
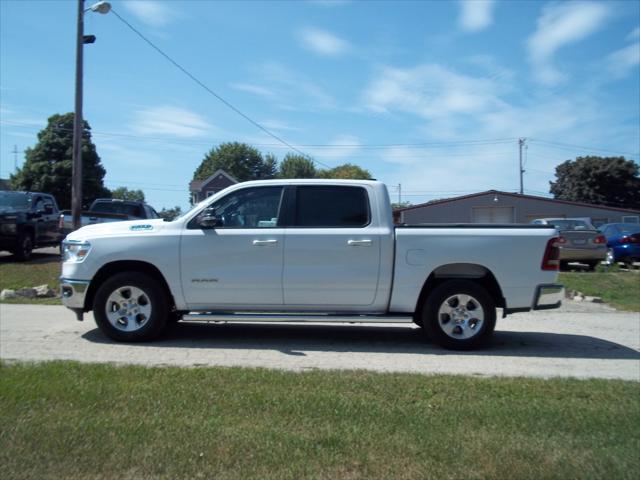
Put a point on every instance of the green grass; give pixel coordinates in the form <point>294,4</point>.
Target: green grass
<point>38,271</point>
<point>619,289</point>
<point>69,420</point>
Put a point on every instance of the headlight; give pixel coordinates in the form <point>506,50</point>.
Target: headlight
<point>75,251</point>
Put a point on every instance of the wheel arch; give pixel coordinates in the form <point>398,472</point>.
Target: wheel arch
<point>120,266</point>
<point>460,271</point>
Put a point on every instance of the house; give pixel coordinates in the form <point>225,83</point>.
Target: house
<point>5,184</point>
<point>201,189</point>
<point>494,206</point>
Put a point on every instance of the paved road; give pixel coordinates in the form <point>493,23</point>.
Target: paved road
<point>579,340</point>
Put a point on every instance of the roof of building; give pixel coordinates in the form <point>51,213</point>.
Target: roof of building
<point>196,185</point>
<point>518,195</point>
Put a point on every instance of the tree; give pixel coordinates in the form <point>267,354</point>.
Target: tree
<point>611,181</point>
<point>296,166</point>
<point>170,213</point>
<point>48,165</point>
<point>123,193</point>
<point>346,171</point>
<point>240,160</point>
<point>397,206</point>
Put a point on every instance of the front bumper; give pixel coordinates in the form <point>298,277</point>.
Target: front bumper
<point>548,296</point>
<point>73,293</point>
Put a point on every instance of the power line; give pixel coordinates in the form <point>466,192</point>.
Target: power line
<point>364,146</point>
<point>569,146</point>
<point>206,88</point>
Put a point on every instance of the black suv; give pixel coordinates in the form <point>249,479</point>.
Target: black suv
<point>28,220</point>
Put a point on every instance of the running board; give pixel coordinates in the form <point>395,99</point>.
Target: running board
<point>297,317</point>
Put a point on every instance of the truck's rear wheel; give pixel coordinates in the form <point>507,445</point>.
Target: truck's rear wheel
<point>130,307</point>
<point>459,315</point>
<point>24,247</point>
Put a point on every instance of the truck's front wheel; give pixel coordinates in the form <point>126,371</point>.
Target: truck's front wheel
<point>459,314</point>
<point>130,307</point>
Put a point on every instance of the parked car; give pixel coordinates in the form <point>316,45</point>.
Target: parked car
<point>28,220</point>
<point>105,210</point>
<point>579,241</point>
<point>623,242</point>
<point>308,250</point>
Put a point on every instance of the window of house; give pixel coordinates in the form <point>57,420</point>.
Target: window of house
<point>630,219</point>
<point>319,206</point>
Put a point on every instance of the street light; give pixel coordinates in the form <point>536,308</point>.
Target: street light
<point>76,172</point>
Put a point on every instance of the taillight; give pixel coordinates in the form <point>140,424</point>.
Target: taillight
<point>625,239</point>
<point>635,238</point>
<point>561,240</point>
<point>61,222</point>
<point>551,258</point>
<point>600,239</point>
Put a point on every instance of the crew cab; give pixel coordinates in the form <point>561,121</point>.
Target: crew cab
<point>307,250</point>
<point>28,220</point>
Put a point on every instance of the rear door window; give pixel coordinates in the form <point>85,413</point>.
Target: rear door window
<point>332,206</point>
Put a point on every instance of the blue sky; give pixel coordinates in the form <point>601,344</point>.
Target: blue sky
<point>429,95</point>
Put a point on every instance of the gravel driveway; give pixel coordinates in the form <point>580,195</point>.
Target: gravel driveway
<point>579,340</point>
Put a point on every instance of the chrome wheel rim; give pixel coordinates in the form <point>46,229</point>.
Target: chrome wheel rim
<point>27,246</point>
<point>610,258</point>
<point>128,308</point>
<point>461,316</point>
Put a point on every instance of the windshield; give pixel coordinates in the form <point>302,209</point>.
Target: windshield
<point>121,208</point>
<point>570,224</point>
<point>14,199</point>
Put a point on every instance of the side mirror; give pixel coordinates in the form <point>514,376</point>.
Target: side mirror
<point>48,209</point>
<point>210,221</point>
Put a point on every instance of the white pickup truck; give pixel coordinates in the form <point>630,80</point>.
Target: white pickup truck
<point>307,250</point>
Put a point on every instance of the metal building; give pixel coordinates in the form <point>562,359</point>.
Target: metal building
<point>494,206</point>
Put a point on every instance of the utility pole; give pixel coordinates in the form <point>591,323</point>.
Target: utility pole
<point>15,158</point>
<point>521,143</point>
<point>399,194</point>
<point>76,171</point>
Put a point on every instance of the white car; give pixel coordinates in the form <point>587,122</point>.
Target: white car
<point>307,250</point>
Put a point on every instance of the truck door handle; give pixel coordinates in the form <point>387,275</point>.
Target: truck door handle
<point>359,243</point>
<point>264,243</point>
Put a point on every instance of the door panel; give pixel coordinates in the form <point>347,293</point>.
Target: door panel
<point>240,261</point>
<point>332,253</point>
<point>323,269</point>
<point>231,266</point>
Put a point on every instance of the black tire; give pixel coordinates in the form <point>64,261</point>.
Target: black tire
<point>591,266</point>
<point>24,247</point>
<point>461,334</point>
<point>131,307</point>
<point>564,265</point>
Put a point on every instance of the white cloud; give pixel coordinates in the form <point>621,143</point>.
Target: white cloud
<point>475,15</point>
<point>323,42</point>
<point>153,13</point>
<point>339,148</point>
<point>254,89</point>
<point>624,60</point>
<point>559,25</point>
<point>634,34</point>
<point>431,91</point>
<point>290,89</point>
<point>169,120</point>
<point>273,124</point>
